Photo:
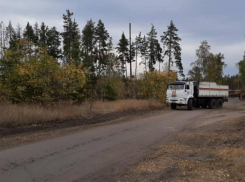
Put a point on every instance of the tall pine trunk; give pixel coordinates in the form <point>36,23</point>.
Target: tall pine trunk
<point>99,62</point>
<point>170,56</point>
<point>159,67</point>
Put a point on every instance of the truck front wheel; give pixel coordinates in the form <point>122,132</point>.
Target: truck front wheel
<point>173,106</point>
<point>189,105</point>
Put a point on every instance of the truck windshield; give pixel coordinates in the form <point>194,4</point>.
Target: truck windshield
<point>176,87</point>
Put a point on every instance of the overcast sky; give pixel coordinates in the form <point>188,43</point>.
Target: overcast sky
<point>220,22</point>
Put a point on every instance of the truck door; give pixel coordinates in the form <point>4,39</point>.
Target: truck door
<point>187,90</point>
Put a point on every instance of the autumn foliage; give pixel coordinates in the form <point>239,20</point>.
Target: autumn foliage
<point>33,76</point>
<point>30,75</point>
<point>153,85</point>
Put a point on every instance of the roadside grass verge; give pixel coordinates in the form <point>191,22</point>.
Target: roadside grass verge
<point>25,115</point>
<point>211,153</point>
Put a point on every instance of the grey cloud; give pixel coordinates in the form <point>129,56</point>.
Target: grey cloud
<point>220,21</point>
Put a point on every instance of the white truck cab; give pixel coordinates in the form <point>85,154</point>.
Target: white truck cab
<point>205,94</point>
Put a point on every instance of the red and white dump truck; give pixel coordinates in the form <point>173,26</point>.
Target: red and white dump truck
<point>196,94</point>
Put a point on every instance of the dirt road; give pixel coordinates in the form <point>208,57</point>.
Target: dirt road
<point>98,154</point>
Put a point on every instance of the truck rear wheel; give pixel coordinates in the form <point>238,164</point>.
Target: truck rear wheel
<point>173,106</point>
<point>189,105</point>
<point>219,103</point>
<point>212,104</point>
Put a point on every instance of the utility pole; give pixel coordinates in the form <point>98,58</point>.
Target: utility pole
<point>1,39</point>
<point>136,41</point>
<point>130,51</point>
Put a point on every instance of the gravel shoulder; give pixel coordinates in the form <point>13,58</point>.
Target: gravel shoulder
<point>214,152</point>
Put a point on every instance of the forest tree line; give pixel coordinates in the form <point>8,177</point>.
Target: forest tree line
<point>39,63</point>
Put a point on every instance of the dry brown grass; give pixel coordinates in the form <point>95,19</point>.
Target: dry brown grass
<point>124,105</point>
<point>29,114</point>
<point>12,115</point>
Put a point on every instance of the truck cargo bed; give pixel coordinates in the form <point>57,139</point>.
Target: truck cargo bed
<point>211,89</point>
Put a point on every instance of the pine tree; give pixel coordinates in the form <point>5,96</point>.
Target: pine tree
<point>109,54</point>
<point>29,33</point>
<point>159,56</point>
<point>53,43</point>
<point>101,39</point>
<point>19,31</point>
<point>71,38</point>
<point>88,37</point>
<point>43,35</point>
<point>13,42</point>
<point>88,46</point>
<point>15,38</point>
<point>133,52</point>
<point>144,52</point>
<point>10,33</point>
<point>171,40</point>
<point>36,31</point>
<point>112,60</point>
<point>35,40</point>
<point>152,42</point>
<point>123,52</point>
<point>138,42</point>
<point>110,44</point>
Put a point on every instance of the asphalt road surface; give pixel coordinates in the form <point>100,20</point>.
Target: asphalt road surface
<point>100,153</point>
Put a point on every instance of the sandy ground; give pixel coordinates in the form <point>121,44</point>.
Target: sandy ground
<point>103,152</point>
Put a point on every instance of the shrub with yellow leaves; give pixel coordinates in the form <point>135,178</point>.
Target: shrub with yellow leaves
<point>39,78</point>
<point>153,85</point>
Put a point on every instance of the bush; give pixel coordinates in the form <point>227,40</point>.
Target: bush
<point>40,78</point>
<point>153,85</point>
